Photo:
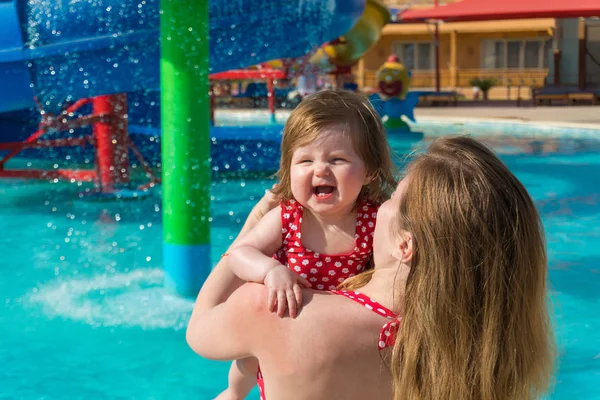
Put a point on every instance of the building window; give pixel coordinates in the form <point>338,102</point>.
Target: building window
<point>415,55</point>
<point>515,53</point>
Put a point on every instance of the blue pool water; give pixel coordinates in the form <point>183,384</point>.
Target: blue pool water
<point>84,314</point>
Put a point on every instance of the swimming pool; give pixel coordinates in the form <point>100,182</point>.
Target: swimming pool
<point>85,316</point>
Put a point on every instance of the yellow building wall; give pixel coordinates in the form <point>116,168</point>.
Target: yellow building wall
<point>468,46</point>
<point>384,48</point>
<point>469,37</point>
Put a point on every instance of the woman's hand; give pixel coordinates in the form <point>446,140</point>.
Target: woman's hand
<point>285,288</point>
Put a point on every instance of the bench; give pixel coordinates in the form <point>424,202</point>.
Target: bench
<point>542,98</point>
<point>440,99</point>
<point>566,95</point>
<point>588,96</point>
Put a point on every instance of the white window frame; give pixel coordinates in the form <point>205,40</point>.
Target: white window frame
<point>397,45</point>
<point>541,51</point>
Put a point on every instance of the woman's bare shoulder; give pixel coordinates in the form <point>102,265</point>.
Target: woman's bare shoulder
<point>321,311</point>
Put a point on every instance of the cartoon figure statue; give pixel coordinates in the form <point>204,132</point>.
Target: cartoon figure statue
<point>393,100</point>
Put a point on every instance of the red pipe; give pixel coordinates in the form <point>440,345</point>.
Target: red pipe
<point>437,52</point>
<point>112,156</point>
<point>145,165</point>
<point>212,105</point>
<point>109,121</point>
<point>78,175</point>
<point>50,122</point>
<point>18,147</point>
<point>41,144</point>
<point>240,74</point>
<point>76,106</point>
<point>271,95</point>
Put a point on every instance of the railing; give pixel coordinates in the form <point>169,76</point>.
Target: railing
<point>534,77</point>
<point>504,77</point>
<point>592,79</point>
<point>418,79</point>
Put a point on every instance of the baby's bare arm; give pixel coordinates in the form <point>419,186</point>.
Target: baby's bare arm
<point>250,258</point>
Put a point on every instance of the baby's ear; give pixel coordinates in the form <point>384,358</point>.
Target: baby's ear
<point>369,179</point>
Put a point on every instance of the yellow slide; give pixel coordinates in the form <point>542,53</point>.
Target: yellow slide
<point>350,47</point>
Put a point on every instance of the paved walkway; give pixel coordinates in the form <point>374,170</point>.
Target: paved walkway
<point>585,115</point>
<point>579,114</point>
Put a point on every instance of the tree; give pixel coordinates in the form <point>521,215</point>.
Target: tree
<point>484,84</point>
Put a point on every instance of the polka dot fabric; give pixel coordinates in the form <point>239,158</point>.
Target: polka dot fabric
<point>325,271</point>
<point>387,335</point>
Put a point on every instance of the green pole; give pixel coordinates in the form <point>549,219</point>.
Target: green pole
<point>185,125</point>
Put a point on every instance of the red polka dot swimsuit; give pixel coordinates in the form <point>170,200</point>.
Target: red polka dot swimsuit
<point>325,271</point>
<point>387,334</point>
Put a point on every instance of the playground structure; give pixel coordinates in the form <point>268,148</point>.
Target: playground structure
<point>108,120</point>
<point>393,100</point>
<point>336,57</point>
<point>267,74</point>
<point>64,74</point>
<point>341,54</point>
<point>66,56</point>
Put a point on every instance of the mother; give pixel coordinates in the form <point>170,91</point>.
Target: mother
<point>459,257</point>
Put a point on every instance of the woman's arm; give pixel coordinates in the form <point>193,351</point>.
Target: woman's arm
<point>235,329</point>
<point>212,301</point>
<point>222,274</point>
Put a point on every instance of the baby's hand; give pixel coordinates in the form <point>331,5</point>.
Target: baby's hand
<point>284,287</point>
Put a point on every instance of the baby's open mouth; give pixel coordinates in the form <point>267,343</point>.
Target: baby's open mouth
<point>323,191</point>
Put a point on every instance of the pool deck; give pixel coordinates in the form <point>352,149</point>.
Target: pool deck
<point>566,115</point>
<point>573,120</point>
<point>589,115</point>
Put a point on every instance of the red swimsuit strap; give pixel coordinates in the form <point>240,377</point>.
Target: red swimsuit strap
<point>387,335</point>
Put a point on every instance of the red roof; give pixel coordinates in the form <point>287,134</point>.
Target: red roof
<point>261,73</point>
<point>485,10</point>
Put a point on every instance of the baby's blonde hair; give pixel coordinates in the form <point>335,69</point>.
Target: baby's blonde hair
<point>360,121</point>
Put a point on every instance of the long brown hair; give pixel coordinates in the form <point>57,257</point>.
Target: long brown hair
<point>475,319</point>
<point>361,122</point>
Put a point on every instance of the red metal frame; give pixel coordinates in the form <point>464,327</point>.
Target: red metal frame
<point>271,96</point>
<point>241,74</point>
<point>112,155</point>
<point>110,139</point>
<point>264,73</point>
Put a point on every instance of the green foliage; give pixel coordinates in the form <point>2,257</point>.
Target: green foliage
<point>484,84</point>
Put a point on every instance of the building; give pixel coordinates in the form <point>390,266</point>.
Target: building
<point>517,54</point>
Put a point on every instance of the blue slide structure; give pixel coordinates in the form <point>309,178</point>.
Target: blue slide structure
<point>63,50</point>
